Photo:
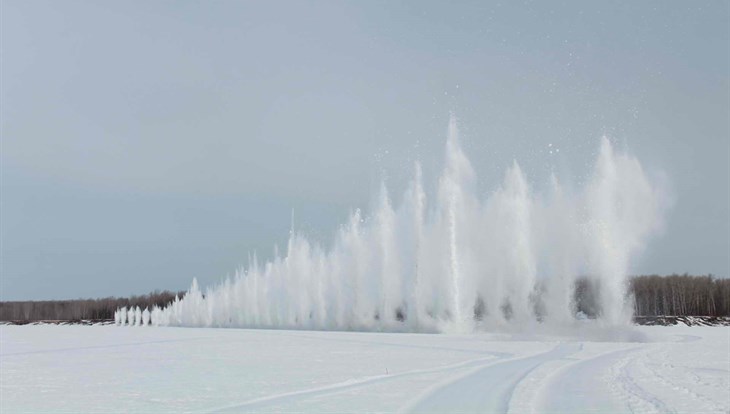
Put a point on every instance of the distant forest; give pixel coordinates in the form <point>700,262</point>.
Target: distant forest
<point>674,295</point>
<point>680,295</point>
<point>78,309</point>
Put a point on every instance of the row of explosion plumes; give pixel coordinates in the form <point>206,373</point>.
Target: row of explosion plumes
<point>454,261</point>
<point>134,316</point>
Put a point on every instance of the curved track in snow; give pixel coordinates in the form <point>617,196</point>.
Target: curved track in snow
<point>258,403</point>
<point>488,389</point>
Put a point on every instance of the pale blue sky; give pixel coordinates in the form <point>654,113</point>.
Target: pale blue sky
<point>147,143</point>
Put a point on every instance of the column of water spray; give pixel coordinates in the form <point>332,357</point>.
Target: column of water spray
<point>458,262</point>
<point>132,317</point>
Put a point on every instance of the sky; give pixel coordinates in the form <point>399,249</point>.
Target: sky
<point>147,143</point>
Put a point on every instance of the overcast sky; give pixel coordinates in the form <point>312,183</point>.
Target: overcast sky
<point>147,143</point>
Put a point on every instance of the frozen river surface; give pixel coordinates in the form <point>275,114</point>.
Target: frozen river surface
<point>141,369</point>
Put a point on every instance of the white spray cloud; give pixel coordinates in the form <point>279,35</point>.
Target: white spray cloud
<point>456,263</point>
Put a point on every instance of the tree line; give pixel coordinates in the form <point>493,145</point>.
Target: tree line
<point>680,295</point>
<point>652,295</point>
<point>78,309</point>
<point>655,295</point>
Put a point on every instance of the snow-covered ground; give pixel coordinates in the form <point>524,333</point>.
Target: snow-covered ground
<point>143,369</point>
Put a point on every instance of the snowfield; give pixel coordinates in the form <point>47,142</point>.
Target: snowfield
<point>143,369</point>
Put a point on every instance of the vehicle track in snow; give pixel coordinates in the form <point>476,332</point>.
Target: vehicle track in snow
<point>284,398</point>
<point>600,383</point>
<point>488,389</point>
<point>572,387</point>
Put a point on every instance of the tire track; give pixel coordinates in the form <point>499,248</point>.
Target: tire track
<point>257,403</point>
<point>577,387</point>
<point>488,389</point>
